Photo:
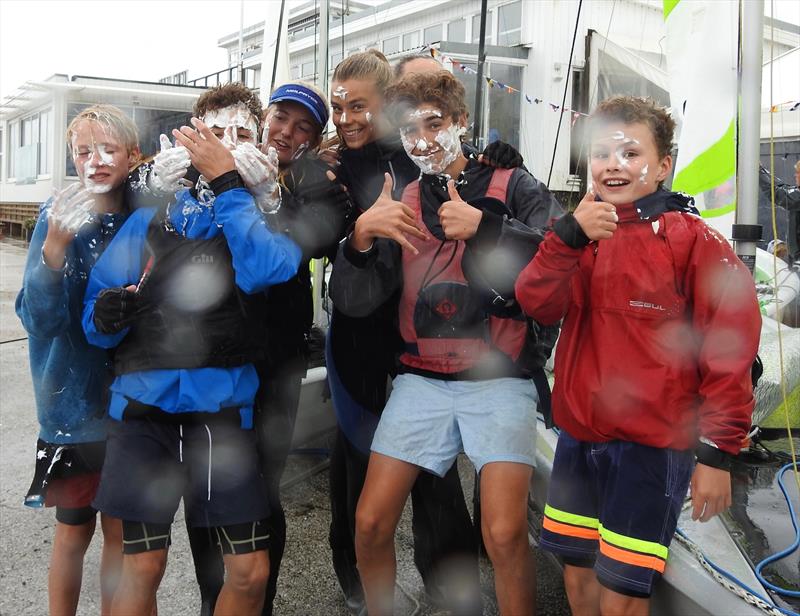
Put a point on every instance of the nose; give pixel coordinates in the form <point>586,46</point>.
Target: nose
<point>95,160</point>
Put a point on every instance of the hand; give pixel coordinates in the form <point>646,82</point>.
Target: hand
<point>259,172</point>
<point>208,154</point>
<point>501,155</point>
<point>115,309</point>
<point>598,219</point>
<point>711,492</point>
<point>169,168</point>
<point>70,209</point>
<point>458,218</point>
<point>389,219</point>
<point>330,156</point>
<point>330,191</point>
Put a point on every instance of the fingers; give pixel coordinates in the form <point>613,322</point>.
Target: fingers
<point>186,137</point>
<point>166,144</point>
<point>388,185</point>
<point>330,175</point>
<point>413,230</point>
<point>451,190</point>
<point>204,130</point>
<point>401,239</point>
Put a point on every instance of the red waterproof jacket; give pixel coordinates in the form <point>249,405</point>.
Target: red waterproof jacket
<point>661,326</point>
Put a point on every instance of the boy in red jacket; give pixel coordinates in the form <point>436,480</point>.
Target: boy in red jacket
<point>661,326</point>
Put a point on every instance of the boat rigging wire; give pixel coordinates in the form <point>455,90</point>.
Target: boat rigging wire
<point>566,88</point>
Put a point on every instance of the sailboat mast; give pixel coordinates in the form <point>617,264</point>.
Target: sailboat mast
<point>477,128</point>
<point>746,231</point>
<point>322,48</point>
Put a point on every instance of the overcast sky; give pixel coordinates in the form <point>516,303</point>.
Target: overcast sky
<point>144,40</point>
<point>150,39</point>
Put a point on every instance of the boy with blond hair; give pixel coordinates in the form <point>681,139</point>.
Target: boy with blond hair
<point>70,377</point>
<point>653,367</point>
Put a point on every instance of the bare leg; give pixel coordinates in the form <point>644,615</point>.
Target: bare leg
<point>245,584</point>
<point>504,525</point>
<point>66,566</point>
<point>110,561</point>
<point>385,492</point>
<point>141,575</point>
<point>615,604</point>
<point>583,590</point>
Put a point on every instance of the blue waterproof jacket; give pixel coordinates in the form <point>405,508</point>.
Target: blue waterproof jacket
<point>70,377</point>
<point>260,258</point>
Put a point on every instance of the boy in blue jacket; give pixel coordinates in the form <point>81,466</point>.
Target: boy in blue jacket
<point>176,296</point>
<point>70,377</point>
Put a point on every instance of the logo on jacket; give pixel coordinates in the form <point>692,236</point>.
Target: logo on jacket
<point>202,258</point>
<point>446,309</point>
<point>635,303</point>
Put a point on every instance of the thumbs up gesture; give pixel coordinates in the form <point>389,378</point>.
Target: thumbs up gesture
<point>389,219</point>
<point>598,219</point>
<point>458,218</point>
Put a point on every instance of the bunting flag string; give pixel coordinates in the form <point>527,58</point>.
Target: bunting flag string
<point>493,83</point>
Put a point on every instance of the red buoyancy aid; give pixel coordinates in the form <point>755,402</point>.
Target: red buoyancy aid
<point>444,325</point>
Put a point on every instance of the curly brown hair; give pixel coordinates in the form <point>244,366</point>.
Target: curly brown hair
<point>632,110</point>
<point>439,88</point>
<point>226,95</point>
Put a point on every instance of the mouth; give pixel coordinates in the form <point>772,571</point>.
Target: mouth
<point>99,177</point>
<point>352,134</point>
<point>615,183</point>
<point>281,146</point>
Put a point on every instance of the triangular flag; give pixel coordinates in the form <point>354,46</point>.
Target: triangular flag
<point>528,98</point>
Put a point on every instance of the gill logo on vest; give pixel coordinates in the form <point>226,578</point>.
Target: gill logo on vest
<point>446,309</point>
<point>203,258</point>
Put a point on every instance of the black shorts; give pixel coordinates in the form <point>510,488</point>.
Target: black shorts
<point>207,459</point>
<point>138,537</point>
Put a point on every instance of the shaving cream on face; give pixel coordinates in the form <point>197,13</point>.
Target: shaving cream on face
<point>643,174</point>
<point>94,187</point>
<point>344,117</point>
<point>237,115</point>
<point>340,92</point>
<point>419,113</point>
<point>439,158</point>
<point>368,115</point>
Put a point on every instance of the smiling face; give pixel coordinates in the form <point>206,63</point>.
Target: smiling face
<point>625,164</point>
<point>431,139</point>
<point>356,107</point>
<point>101,158</point>
<point>291,129</point>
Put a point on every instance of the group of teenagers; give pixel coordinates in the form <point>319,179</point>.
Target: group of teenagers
<point>168,306</point>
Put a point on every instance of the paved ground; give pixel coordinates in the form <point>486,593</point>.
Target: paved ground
<point>307,586</point>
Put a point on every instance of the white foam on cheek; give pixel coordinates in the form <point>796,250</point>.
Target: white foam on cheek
<point>643,174</point>
<point>234,115</point>
<point>434,162</point>
<point>105,157</point>
<point>618,136</point>
<point>422,145</point>
<point>368,115</point>
<point>341,93</point>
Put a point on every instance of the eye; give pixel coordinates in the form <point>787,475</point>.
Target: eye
<point>599,155</point>
<point>358,108</point>
<point>631,154</point>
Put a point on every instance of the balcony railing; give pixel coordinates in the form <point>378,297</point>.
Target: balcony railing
<point>249,78</point>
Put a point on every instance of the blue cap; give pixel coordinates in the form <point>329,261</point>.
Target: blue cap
<point>304,95</point>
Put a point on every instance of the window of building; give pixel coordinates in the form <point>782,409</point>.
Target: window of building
<point>308,69</point>
<point>509,24</point>
<point>335,59</point>
<point>295,72</point>
<point>433,34</point>
<point>2,149</point>
<point>476,28</point>
<point>29,156</point>
<point>457,31</point>
<point>411,40</point>
<point>350,52</point>
<point>391,45</point>
<point>13,144</point>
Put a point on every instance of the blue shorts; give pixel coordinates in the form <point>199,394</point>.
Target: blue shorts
<point>208,460</point>
<point>614,506</point>
<point>428,422</point>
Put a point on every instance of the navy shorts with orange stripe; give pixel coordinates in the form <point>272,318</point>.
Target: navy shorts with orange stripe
<point>615,506</point>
